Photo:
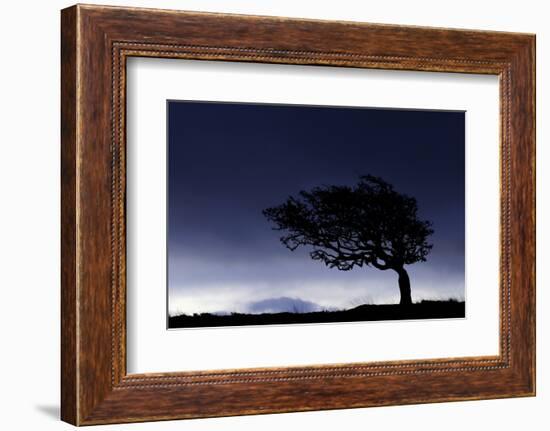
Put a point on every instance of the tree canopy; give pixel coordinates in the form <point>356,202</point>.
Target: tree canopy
<point>368,224</point>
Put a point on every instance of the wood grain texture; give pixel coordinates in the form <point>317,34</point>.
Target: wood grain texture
<point>69,397</point>
<point>96,41</point>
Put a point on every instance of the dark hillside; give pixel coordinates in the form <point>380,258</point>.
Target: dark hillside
<point>421,310</point>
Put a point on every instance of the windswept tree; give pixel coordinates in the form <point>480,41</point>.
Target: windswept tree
<point>369,224</point>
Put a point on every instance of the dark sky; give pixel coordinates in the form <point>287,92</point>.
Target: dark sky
<point>229,161</point>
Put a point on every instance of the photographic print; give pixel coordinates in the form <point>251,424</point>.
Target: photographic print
<point>295,214</point>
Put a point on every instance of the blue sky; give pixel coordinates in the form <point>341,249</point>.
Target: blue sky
<point>227,162</point>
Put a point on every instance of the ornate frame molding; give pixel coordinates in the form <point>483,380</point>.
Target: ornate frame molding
<point>96,41</point>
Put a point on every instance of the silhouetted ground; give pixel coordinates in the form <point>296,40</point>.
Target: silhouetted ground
<point>366,312</point>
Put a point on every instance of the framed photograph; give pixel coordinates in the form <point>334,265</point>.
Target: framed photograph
<point>264,214</point>
<point>226,266</point>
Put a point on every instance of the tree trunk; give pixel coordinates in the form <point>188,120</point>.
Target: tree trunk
<point>404,286</point>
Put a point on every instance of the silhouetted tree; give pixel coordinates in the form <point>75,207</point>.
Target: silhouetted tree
<point>369,224</point>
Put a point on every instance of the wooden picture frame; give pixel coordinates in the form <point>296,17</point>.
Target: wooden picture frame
<point>95,43</point>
